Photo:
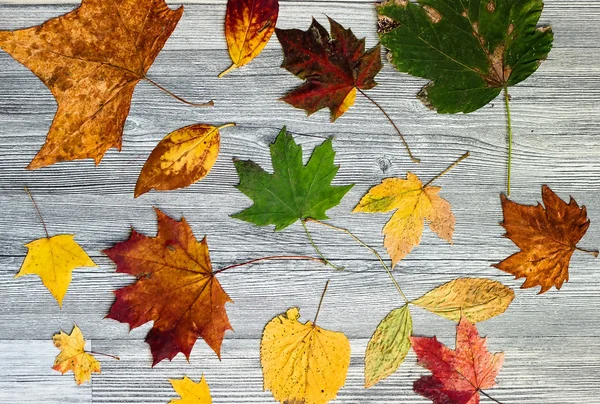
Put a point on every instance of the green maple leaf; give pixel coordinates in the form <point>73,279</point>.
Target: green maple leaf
<point>294,191</point>
<point>470,49</point>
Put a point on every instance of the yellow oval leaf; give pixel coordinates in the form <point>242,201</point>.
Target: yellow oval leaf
<point>190,392</point>
<point>181,159</point>
<point>476,299</point>
<point>303,363</point>
<point>249,25</point>
<point>73,357</point>
<point>388,346</point>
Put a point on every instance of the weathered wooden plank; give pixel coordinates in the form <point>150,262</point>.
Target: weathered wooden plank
<point>238,379</point>
<point>26,375</point>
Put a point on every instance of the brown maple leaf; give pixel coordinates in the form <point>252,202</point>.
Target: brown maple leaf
<point>547,237</point>
<point>334,67</point>
<point>176,289</point>
<point>91,59</point>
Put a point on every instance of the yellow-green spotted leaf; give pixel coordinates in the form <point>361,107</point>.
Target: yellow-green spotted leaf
<point>474,298</point>
<point>388,346</point>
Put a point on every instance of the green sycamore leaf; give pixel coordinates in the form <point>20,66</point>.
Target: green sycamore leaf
<point>388,346</point>
<point>469,49</point>
<point>294,191</point>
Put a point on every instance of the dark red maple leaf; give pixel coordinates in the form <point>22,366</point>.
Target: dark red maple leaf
<point>176,289</point>
<point>459,375</point>
<point>333,67</point>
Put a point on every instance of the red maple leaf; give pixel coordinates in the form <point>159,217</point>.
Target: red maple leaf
<point>333,67</point>
<point>457,375</point>
<point>176,289</point>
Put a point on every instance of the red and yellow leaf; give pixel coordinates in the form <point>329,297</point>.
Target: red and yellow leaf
<point>457,375</point>
<point>175,288</point>
<point>334,67</point>
<point>249,24</point>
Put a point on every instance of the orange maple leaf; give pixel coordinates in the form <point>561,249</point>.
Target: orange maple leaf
<point>176,288</point>
<point>547,238</point>
<point>459,375</point>
<point>91,59</point>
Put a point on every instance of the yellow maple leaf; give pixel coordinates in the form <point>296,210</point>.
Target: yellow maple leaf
<point>190,392</point>
<point>303,363</point>
<point>414,204</point>
<point>73,357</point>
<point>53,259</point>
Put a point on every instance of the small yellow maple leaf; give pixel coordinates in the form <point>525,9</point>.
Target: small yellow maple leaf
<point>190,392</point>
<point>414,203</point>
<point>303,363</point>
<point>53,259</point>
<point>73,357</point>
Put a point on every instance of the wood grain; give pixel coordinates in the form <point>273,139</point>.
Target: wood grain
<point>550,341</point>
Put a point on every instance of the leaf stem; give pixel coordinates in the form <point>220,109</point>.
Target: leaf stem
<point>103,354</point>
<point>359,241</point>
<point>228,70</point>
<point>206,104</point>
<point>275,257</point>
<point>450,167</point>
<point>321,302</point>
<point>38,212</point>
<point>317,248</point>
<point>510,136</point>
<point>413,158</point>
<point>591,252</point>
<point>227,125</point>
<point>490,397</point>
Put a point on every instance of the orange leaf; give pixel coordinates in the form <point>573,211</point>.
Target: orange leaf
<point>547,238</point>
<point>91,59</point>
<point>182,158</point>
<point>175,288</point>
<point>73,357</point>
<point>249,25</point>
<point>457,375</point>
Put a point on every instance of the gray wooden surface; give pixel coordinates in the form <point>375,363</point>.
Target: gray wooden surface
<point>551,342</point>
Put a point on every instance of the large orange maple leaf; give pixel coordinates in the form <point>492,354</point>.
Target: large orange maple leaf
<point>176,289</point>
<point>547,237</point>
<point>458,376</point>
<point>91,59</point>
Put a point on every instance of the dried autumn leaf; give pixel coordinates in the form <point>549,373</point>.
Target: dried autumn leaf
<point>53,259</point>
<point>547,238</point>
<point>303,363</point>
<point>414,204</point>
<point>476,299</point>
<point>294,191</point>
<point>91,59</point>
<point>175,288</point>
<point>182,158</point>
<point>334,67</point>
<point>457,375</point>
<point>249,25</point>
<point>73,357</point>
<point>388,346</point>
<point>469,50</point>
<point>190,392</point>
